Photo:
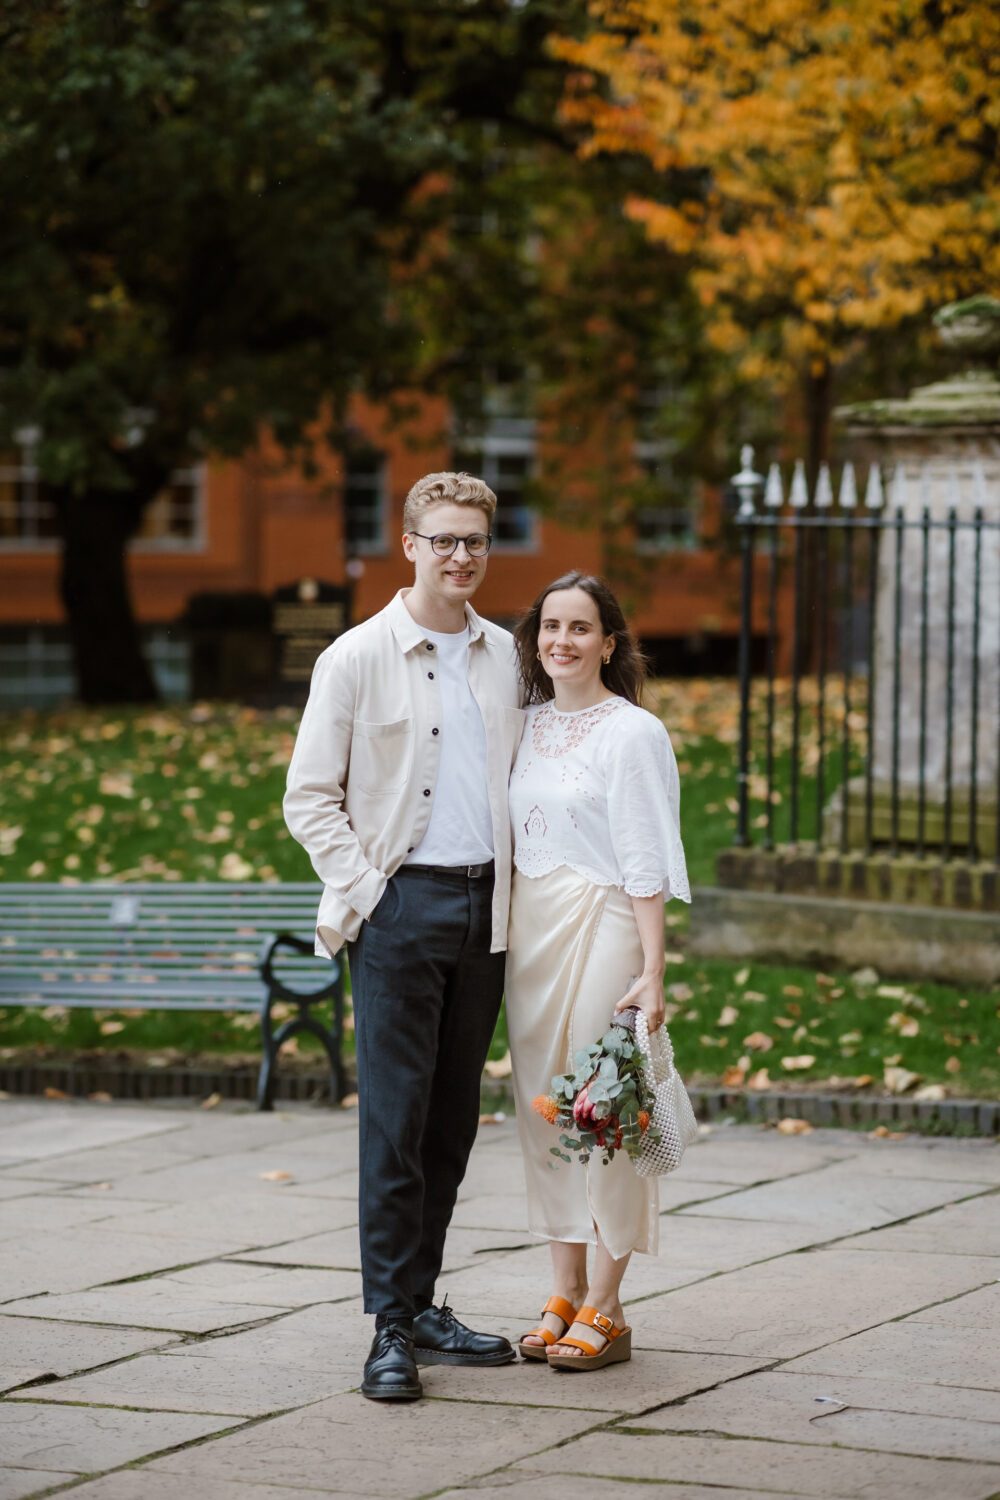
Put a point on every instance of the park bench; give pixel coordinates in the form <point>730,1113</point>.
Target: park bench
<point>175,946</point>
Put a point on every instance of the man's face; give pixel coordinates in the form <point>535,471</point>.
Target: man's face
<point>456,578</point>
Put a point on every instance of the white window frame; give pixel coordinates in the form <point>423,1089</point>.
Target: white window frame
<point>380,546</point>
<point>517,441</point>
<point>197,476</point>
<point>653,452</point>
<point>26,474</point>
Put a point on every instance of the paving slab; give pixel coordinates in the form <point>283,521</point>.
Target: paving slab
<point>738,1155</point>
<point>838,1197</point>
<point>975,1310</point>
<point>348,1445</point>
<point>491,1211</point>
<point>235,1281</point>
<point>971,1228</point>
<point>23,1187</point>
<point>77,1127</point>
<point>156,1303</point>
<point>641,1385</point>
<point>788,1306</point>
<point>56,1212</point>
<point>32,1348</point>
<point>976,1161</point>
<point>149,1484</point>
<point>790,1468</point>
<point>259,1213</point>
<point>943,1354</point>
<point>18,1484</point>
<point>110,1164</point>
<point>341,1248</point>
<point>882,1415</point>
<point>34,1263</point>
<point>532,1486</point>
<point>85,1440</point>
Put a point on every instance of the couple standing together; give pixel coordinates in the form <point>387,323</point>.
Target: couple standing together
<point>417,780</point>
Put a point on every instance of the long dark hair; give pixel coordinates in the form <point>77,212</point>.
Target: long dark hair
<point>624,674</point>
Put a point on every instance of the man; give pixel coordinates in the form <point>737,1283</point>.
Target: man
<point>398,790</point>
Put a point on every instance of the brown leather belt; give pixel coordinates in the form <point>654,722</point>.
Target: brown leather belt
<point>463,872</point>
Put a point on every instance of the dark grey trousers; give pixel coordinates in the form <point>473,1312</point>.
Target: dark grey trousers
<point>426,992</point>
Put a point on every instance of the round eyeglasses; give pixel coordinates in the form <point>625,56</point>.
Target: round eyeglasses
<point>444,544</point>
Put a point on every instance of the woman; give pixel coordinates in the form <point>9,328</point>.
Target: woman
<point>594,800</point>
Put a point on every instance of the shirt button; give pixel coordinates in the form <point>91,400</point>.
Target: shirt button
<point>431,676</point>
<point>433,731</point>
<point>411,849</point>
<point>427,791</point>
<point>430,646</point>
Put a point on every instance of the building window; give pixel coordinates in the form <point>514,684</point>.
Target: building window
<point>506,463</point>
<point>365,492</point>
<point>664,519</point>
<point>27,514</point>
<point>174,518</point>
<point>36,666</point>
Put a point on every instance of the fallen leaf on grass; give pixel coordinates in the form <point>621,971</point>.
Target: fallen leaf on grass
<point>931,1093</point>
<point>275,1176</point>
<point>212,1102</point>
<point>499,1067</point>
<point>733,1077</point>
<point>863,1080</point>
<point>891,991</point>
<point>289,1047</point>
<point>760,1080</point>
<point>727,1015</point>
<point>680,992</point>
<point>898,1080</point>
<point>793,990</point>
<point>110,1028</point>
<point>753,995</point>
<point>758,1041</point>
<point>953,1065</point>
<point>798,1064</point>
<point>792,1125</point>
<point>741,976</point>
<point>784,1021</point>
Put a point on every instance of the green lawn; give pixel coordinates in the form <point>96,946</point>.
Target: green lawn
<point>195,793</point>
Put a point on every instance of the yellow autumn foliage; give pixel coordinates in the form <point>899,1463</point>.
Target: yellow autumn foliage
<point>834,166</point>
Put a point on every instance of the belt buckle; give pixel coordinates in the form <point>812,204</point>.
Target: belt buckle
<point>471,871</point>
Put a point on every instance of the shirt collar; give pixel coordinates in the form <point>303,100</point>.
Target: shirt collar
<point>409,634</point>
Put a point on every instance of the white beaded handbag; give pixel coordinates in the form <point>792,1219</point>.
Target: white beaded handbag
<point>672,1113</point>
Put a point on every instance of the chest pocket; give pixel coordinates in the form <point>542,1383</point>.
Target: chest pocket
<point>380,756</point>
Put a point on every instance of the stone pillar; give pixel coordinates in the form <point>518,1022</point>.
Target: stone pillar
<point>939,449</point>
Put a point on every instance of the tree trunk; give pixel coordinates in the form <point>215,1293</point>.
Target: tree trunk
<point>107,655</point>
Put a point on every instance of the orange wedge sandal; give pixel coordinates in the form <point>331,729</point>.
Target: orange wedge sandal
<point>616,1349</point>
<point>563,1310</point>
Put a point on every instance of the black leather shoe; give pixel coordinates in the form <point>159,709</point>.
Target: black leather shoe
<point>390,1369</point>
<point>440,1339</point>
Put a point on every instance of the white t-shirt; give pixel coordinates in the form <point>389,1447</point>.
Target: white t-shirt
<point>598,790</point>
<point>460,831</point>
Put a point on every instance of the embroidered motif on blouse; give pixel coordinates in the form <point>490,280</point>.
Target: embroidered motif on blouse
<point>553,734</point>
<point>535,825</point>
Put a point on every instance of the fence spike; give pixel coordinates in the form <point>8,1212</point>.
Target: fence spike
<point>897,495</point>
<point>848,488</point>
<point>874,498</point>
<point>799,493</point>
<point>774,494</point>
<point>823,498</point>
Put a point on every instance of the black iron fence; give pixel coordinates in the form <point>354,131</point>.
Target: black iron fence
<point>875,724</point>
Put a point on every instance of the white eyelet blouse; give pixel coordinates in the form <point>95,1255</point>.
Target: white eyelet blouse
<point>598,790</point>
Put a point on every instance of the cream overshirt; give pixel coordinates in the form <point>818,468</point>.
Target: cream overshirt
<point>364,771</point>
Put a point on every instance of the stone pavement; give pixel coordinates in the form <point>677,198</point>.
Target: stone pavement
<point>181,1318</point>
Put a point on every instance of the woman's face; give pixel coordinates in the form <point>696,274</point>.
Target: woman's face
<point>570,641</point>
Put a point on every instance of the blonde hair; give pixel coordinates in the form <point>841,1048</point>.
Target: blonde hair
<point>448,489</point>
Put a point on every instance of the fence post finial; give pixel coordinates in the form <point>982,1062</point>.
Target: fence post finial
<point>747,482</point>
<point>874,497</point>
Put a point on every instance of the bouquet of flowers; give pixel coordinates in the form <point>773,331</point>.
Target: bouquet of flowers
<point>605,1102</point>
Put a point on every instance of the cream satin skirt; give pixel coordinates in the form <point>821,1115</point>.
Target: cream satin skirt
<point>572,948</point>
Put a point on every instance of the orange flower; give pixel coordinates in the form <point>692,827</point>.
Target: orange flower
<point>643,1121</point>
<point>546,1106</point>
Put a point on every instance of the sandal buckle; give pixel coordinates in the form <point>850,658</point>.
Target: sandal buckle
<point>605,1324</point>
